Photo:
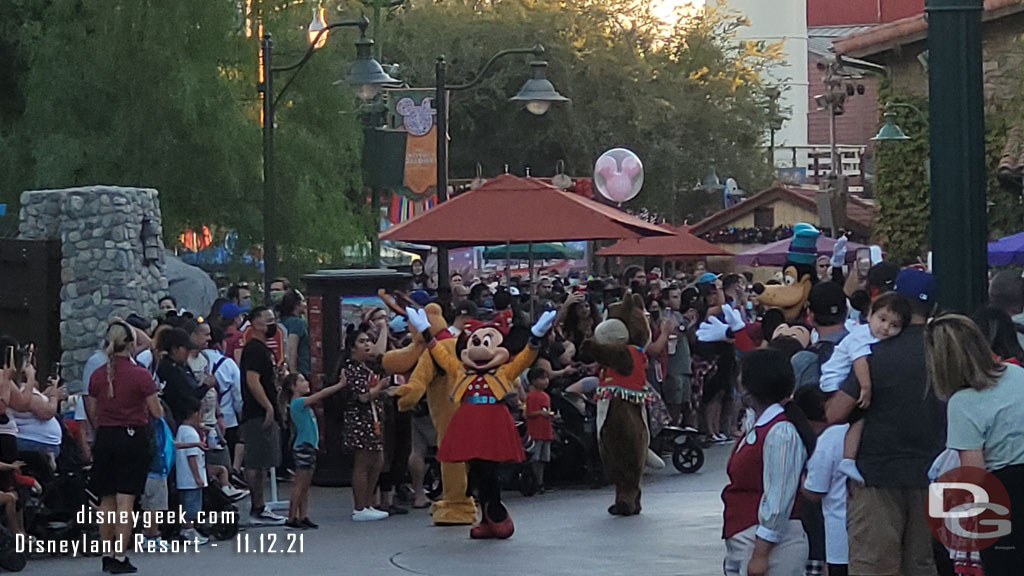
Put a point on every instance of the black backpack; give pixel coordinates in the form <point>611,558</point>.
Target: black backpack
<point>823,349</point>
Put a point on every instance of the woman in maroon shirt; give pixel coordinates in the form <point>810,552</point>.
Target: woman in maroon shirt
<point>121,400</point>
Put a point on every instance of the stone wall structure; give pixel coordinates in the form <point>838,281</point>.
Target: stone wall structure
<point>104,271</point>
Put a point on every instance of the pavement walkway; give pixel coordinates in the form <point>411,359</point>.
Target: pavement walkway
<point>566,533</point>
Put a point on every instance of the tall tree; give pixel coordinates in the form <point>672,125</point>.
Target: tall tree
<point>683,95</point>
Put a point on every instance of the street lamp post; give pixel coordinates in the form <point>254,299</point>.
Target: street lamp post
<point>538,93</point>
<point>959,226</point>
<point>366,75</point>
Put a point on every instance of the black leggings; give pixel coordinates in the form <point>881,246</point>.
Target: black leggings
<point>1007,554</point>
<point>484,481</point>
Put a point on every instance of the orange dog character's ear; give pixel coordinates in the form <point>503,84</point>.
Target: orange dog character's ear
<point>390,302</point>
<point>436,317</point>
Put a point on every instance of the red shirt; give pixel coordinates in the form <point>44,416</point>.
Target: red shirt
<point>132,386</point>
<point>232,341</point>
<point>538,427</point>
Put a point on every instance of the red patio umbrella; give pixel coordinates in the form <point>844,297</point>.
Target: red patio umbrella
<point>681,244</point>
<point>519,210</point>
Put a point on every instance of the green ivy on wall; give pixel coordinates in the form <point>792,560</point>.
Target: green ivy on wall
<point>902,187</point>
<point>901,181</point>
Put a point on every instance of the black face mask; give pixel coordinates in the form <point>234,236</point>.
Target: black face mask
<point>271,330</point>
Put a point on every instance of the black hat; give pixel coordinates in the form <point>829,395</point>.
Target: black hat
<point>466,308</point>
<point>883,275</point>
<point>176,338</point>
<point>136,321</point>
<point>827,299</point>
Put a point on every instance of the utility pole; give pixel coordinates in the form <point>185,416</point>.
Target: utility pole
<point>959,223</point>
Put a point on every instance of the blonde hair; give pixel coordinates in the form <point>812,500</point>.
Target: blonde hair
<point>118,341</point>
<point>958,356</point>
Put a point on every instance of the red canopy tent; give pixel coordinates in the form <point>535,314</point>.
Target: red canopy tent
<point>512,209</point>
<point>681,244</point>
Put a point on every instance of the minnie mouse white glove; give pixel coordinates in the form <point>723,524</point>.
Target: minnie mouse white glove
<point>712,330</point>
<point>734,318</point>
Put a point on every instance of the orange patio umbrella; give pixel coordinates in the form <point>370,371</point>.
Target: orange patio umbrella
<point>680,244</point>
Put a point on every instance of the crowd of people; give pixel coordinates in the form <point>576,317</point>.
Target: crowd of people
<point>837,416</point>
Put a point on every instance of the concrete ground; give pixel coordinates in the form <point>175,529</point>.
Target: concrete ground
<point>565,532</point>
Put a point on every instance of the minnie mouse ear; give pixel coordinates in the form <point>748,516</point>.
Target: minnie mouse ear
<point>630,166</point>
<point>606,165</point>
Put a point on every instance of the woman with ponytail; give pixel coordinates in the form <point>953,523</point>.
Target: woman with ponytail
<point>122,397</point>
<point>762,529</point>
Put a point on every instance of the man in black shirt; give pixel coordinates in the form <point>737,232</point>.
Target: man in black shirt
<point>904,431</point>
<point>259,428</point>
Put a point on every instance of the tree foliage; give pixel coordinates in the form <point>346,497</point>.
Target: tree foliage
<point>684,96</point>
<point>163,95</point>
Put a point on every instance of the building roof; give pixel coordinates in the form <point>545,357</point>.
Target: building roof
<point>908,30</point>
<point>859,211</point>
<point>820,38</point>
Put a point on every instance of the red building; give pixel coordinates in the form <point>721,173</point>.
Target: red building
<point>850,12</point>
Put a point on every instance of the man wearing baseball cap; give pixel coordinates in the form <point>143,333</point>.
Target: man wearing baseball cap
<point>826,313</point>
<point>904,431</point>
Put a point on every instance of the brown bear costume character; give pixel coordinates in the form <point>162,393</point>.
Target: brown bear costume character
<point>455,507</point>
<point>622,394</point>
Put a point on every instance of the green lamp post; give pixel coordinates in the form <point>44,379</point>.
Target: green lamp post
<point>890,131</point>
<point>367,77</point>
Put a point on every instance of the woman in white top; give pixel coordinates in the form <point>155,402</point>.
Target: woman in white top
<point>985,420</point>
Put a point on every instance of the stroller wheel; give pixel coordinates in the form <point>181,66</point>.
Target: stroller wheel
<point>687,457</point>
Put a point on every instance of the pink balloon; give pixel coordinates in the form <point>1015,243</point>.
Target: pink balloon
<point>618,175</point>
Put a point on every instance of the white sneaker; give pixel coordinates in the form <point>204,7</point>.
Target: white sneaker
<point>233,493</point>
<point>190,535</point>
<point>368,515</point>
<point>266,518</point>
<point>379,511</point>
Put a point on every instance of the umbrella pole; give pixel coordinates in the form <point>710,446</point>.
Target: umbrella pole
<point>529,252</point>
<point>508,264</point>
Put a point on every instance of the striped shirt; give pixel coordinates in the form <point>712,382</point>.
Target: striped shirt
<point>784,459</point>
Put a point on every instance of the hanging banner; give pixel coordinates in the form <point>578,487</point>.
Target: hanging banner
<point>412,111</point>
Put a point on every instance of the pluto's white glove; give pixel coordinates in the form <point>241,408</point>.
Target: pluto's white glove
<point>418,319</point>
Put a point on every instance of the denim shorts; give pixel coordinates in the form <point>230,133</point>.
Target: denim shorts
<point>192,501</point>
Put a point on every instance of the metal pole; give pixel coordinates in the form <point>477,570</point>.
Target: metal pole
<point>508,264</point>
<point>533,294</point>
<point>269,203</point>
<point>833,151</point>
<point>959,226</point>
<point>441,121</point>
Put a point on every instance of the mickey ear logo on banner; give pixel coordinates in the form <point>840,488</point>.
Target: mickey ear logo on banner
<point>619,175</point>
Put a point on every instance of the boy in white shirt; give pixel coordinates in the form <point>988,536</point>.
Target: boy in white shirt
<point>190,468</point>
<point>890,312</point>
<point>824,481</point>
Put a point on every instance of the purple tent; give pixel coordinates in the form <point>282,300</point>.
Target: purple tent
<point>774,254</point>
<point>1006,251</point>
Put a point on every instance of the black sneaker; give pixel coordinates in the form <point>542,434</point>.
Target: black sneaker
<point>295,525</point>
<point>108,561</point>
<point>309,523</point>
<point>122,566</point>
<point>397,510</point>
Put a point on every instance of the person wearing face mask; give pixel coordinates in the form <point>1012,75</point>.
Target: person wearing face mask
<point>259,422</point>
<point>278,288</point>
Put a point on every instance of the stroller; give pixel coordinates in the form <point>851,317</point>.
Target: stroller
<point>52,514</point>
<point>574,451</point>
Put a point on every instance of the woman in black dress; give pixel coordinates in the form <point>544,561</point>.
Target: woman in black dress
<point>364,422</point>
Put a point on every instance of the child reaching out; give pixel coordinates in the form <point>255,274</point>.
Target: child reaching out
<point>890,313</point>
<point>538,421</point>
<point>295,394</point>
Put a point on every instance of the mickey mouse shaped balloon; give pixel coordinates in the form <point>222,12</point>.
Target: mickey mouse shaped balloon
<point>619,175</point>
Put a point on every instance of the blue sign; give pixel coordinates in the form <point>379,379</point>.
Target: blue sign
<point>3,209</point>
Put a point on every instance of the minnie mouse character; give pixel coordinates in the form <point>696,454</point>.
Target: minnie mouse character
<point>481,432</point>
